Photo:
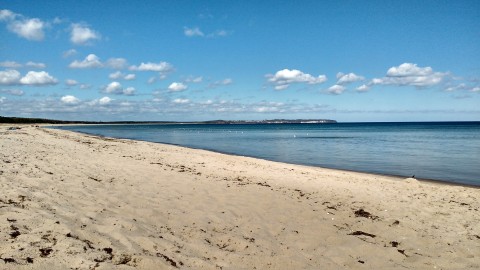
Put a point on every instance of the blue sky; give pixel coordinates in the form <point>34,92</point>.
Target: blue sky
<point>205,60</point>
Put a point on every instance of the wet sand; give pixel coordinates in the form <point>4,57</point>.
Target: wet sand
<point>74,201</point>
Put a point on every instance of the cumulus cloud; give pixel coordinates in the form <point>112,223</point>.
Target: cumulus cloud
<point>70,100</point>
<point>408,74</point>
<point>285,77</point>
<point>32,78</point>
<point>162,67</point>
<point>104,100</point>
<point>117,89</point>
<point>38,79</point>
<point>82,35</point>
<point>469,87</point>
<point>9,77</point>
<point>35,65</point>
<point>226,81</point>
<point>336,89</point>
<point>31,29</point>
<point>119,75</point>
<point>113,87</point>
<point>30,64</point>
<point>363,88</point>
<point>194,79</point>
<point>129,77</point>
<point>13,92</point>
<point>115,76</point>
<point>84,86</point>
<point>116,63</point>
<point>69,53</point>
<point>71,82</point>
<point>181,101</point>
<point>91,61</point>
<point>7,15</point>
<point>348,78</point>
<point>10,64</point>
<point>409,69</point>
<point>193,32</point>
<point>177,87</point>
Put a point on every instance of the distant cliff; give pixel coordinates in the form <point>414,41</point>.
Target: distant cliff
<point>273,121</point>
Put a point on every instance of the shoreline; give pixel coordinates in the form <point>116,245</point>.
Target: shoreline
<point>81,201</point>
<point>397,177</point>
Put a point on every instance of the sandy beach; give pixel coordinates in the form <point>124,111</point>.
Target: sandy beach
<point>74,201</point>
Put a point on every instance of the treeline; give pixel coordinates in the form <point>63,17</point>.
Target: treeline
<point>21,120</point>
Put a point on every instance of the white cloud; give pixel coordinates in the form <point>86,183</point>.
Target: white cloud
<point>35,65</point>
<point>129,91</point>
<point>84,86</point>
<point>177,87</point>
<point>117,89</point>
<point>408,69</point>
<point>9,77</point>
<point>348,78</point>
<point>181,101</point>
<point>13,64</point>
<point>91,61</point>
<point>129,77</point>
<point>31,29</point>
<point>69,53</point>
<point>196,32</point>
<point>33,78</point>
<point>71,100</point>
<point>10,64</point>
<point>159,67</point>
<point>461,86</point>
<point>194,79</point>
<point>116,63</point>
<point>113,87</point>
<point>104,100</point>
<point>221,33</point>
<point>38,78</point>
<point>151,80</point>
<point>408,74</point>
<point>363,88</point>
<point>336,89</point>
<point>82,35</point>
<point>13,92</point>
<point>475,89</point>
<point>283,78</point>
<point>193,32</point>
<point>226,81</point>
<point>116,75</point>
<point>119,75</point>
<point>2,99</point>
<point>7,15</point>
<point>71,82</point>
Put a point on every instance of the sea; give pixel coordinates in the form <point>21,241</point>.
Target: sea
<point>440,151</point>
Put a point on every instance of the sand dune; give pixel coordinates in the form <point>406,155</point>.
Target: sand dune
<point>72,201</point>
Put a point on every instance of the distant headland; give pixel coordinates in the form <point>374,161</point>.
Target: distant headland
<point>21,120</point>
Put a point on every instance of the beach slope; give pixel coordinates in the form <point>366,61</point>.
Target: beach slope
<point>74,201</point>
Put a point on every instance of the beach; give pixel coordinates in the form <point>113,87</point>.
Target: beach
<point>75,201</point>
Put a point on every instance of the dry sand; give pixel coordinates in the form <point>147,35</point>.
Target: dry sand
<point>69,200</point>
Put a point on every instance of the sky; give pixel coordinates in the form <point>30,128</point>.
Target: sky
<point>351,61</point>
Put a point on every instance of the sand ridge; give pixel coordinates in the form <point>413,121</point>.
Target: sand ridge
<point>74,201</point>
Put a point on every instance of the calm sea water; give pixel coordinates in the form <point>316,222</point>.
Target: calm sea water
<point>448,151</point>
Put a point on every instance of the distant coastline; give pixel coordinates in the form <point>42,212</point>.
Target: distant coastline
<point>21,120</point>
